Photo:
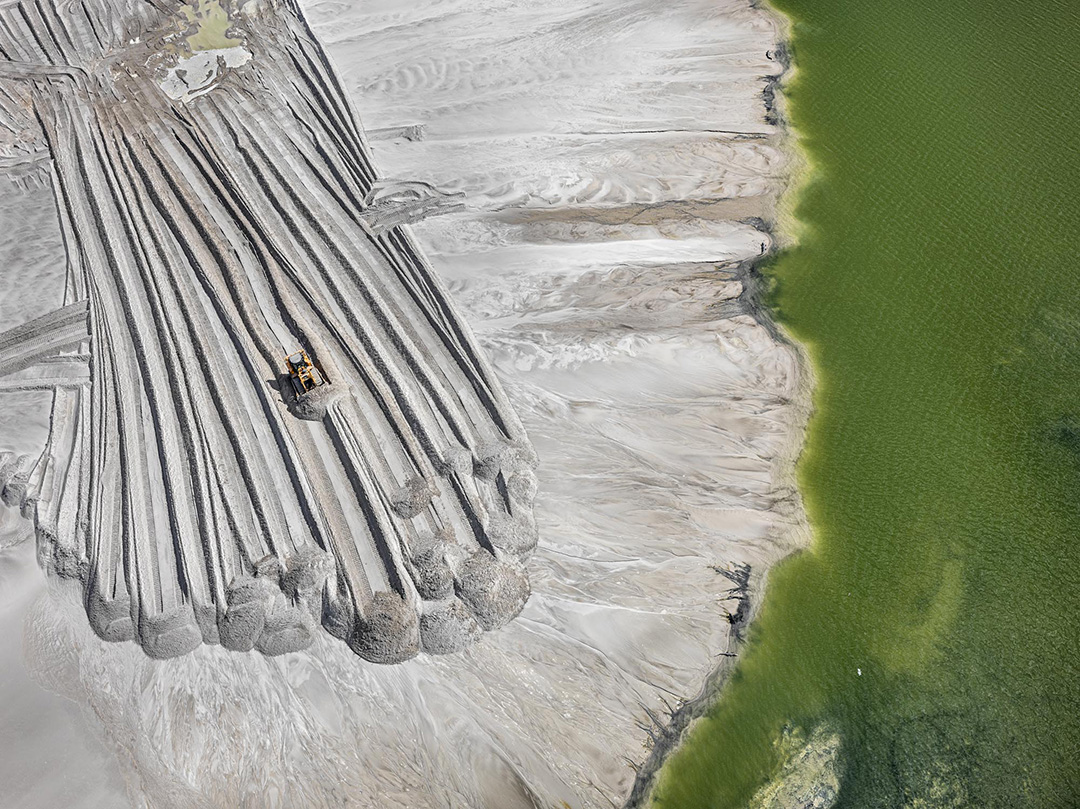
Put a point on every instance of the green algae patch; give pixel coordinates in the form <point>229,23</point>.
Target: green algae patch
<point>936,285</point>
<point>211,23</point>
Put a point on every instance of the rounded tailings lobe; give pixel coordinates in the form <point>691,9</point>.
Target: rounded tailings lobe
<point>494,590</point>
<point>389,633</point>
<point>448,628</point>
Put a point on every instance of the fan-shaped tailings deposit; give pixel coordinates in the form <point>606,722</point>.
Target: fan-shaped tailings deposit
<point>212,187</point>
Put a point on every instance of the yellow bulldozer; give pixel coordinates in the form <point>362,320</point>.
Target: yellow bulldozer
<point>303,374</point>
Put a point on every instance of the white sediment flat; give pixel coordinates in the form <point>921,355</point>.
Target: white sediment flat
<point>616,163</point>
<point>195,75</point>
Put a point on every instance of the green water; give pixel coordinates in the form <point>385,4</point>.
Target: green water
<point>937,287</point>
<point>211,25</point>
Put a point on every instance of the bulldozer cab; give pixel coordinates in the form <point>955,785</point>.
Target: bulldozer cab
<point>303,374</point>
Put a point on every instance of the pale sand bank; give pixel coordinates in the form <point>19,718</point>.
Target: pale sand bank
<point>603,285</point>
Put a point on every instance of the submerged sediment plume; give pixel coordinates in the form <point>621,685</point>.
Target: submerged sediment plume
<point>215,194</point>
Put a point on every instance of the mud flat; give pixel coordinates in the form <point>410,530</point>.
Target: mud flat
<point>593,188</point>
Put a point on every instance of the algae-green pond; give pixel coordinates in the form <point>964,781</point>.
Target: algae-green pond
<point>937,287</point>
